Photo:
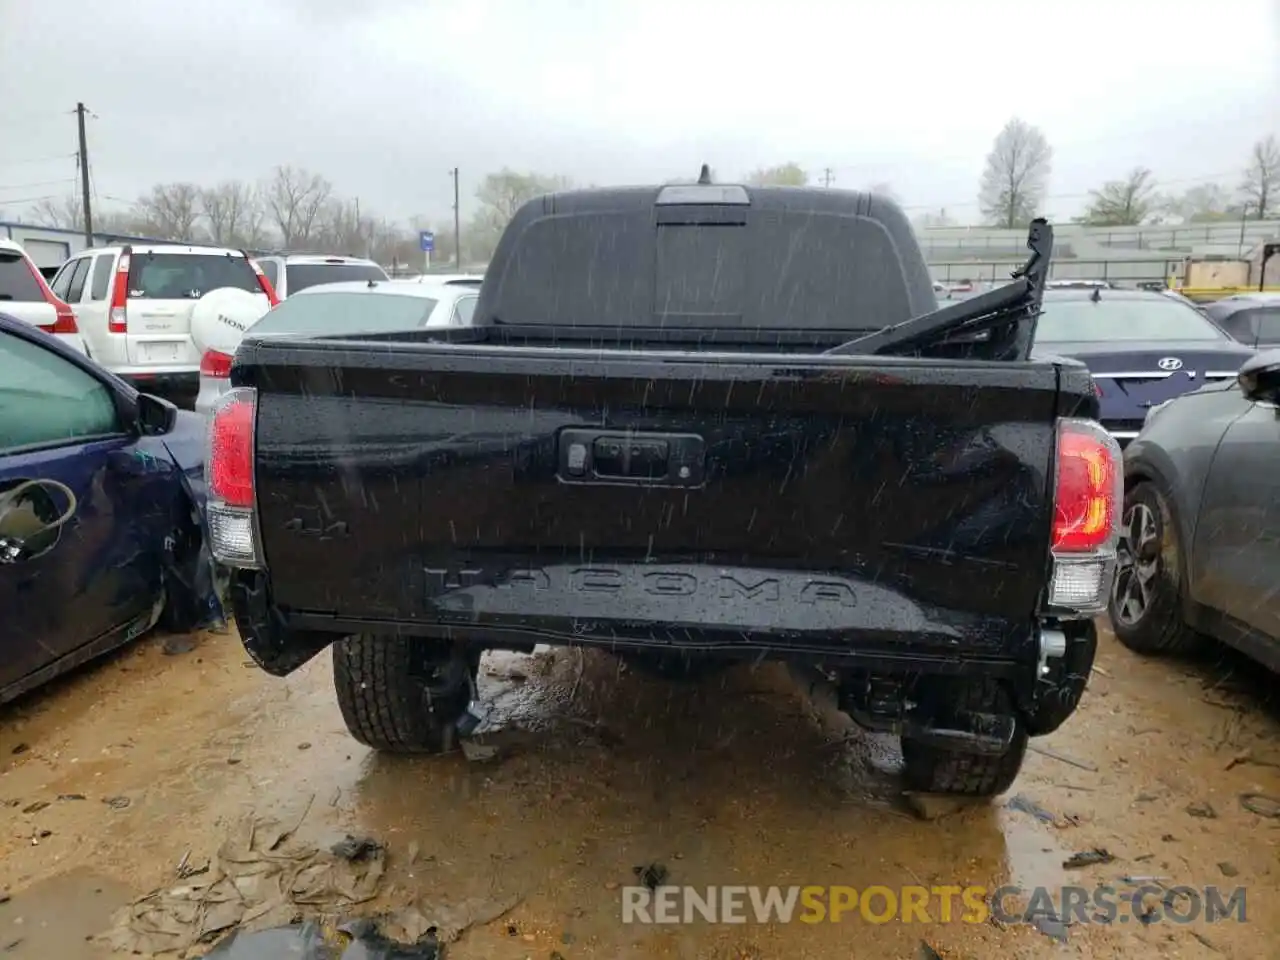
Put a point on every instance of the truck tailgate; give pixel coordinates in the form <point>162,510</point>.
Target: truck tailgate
<point>685,498</point>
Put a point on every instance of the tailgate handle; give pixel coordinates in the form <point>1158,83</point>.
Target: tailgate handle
<point>650,459</point>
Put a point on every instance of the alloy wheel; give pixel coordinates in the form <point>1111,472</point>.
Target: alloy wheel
<point>1137,563</point>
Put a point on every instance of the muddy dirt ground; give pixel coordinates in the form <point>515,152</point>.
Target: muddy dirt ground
<point>113,777</point>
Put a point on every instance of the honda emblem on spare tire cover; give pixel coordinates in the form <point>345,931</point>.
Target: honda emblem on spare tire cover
<point>220,318</point>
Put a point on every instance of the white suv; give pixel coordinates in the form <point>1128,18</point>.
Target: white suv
<point>133,306</point>
<point>293,273</point>
<point>25,294</point>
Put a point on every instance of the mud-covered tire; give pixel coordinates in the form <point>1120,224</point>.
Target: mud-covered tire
<point>402,694</point>
<point>928,769</point>
<point>1161,628</point>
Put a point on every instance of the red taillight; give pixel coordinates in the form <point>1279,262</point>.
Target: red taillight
<point>1097,389</point>
<point>117,317</point>
<point>230,465</point>
<point>216,365</point>
<point>66,321</point>
<point>1089,488</point>
<point>264,283</point>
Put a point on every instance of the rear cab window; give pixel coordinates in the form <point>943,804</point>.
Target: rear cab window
<point>187,276</point>
<point>299,276</point>
<point>345,313</point>
<point>17,282</point>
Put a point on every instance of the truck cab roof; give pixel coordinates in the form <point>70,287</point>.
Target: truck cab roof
<point>719,257</point>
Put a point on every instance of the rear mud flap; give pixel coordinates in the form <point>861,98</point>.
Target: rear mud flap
<point>274,647</point>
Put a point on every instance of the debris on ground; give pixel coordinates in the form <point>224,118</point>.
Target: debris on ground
<point>926,952</point>
<point>307,941</point>
<point>442,921</point>
<point>1062,758</point>
<point>478,752</point>
<point>355,848</point>
<point>1051,925</point>
<point>1088,858</point>
<point>1228,868</point>
<point>1262,804</point>
<point>1202,809</point>
<point>1024,804</point>
<point>651,875</point>
<point>117,803</point>
<point>261,878</point>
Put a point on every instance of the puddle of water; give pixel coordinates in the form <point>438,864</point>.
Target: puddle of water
<point>58,917</point>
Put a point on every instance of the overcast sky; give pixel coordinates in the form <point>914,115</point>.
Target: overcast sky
<point>383,97</point>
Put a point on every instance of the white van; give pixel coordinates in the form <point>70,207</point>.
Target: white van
<point>133,306</point>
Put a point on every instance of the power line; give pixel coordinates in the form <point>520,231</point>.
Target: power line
<point>16,200</point>
<point>24,160</point>
<point>36,183</point>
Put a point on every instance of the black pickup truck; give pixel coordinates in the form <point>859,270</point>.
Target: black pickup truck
<point>693,424</point>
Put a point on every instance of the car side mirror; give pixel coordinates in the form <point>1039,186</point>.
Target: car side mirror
<point>156,416</point>
<point>1259,377</point>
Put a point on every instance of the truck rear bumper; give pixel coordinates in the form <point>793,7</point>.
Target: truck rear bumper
<point>696,609</point>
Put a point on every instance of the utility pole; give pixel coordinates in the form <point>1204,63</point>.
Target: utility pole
<point>457,224</point>
<point>83,158</point>
<point>827,177</point>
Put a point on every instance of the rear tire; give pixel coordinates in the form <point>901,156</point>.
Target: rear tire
<point>402,694</point>
<point>928,769</point>
<point>1146,600</point>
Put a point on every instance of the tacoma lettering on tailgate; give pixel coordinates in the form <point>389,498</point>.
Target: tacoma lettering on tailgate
<point>744,585</point>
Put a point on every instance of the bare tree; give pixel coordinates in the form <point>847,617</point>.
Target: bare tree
<point>294,198</point>
<point>787,174</point>
<point>68,214</point>
<point>499,196</point>
<point>1204,203</point>
<point>1262,177</point>
<point>1016,175</point>
<point>1126,202</point>
<point>233,213</point>
<point>341,228</point>
<point>171,211</point>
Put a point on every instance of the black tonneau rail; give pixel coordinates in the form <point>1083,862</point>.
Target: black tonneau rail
<point>1000,324</point>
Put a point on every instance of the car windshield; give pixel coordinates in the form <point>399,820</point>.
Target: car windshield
<point>299,276</point>
<point>340,312</point>
<point>1121,318</point>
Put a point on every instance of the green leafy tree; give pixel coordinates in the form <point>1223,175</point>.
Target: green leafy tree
<point>1123,203</point>
<point>787,174</point>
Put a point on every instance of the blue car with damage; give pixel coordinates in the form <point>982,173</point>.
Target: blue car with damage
<point>1142,347</point>
<point>101,512</point>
